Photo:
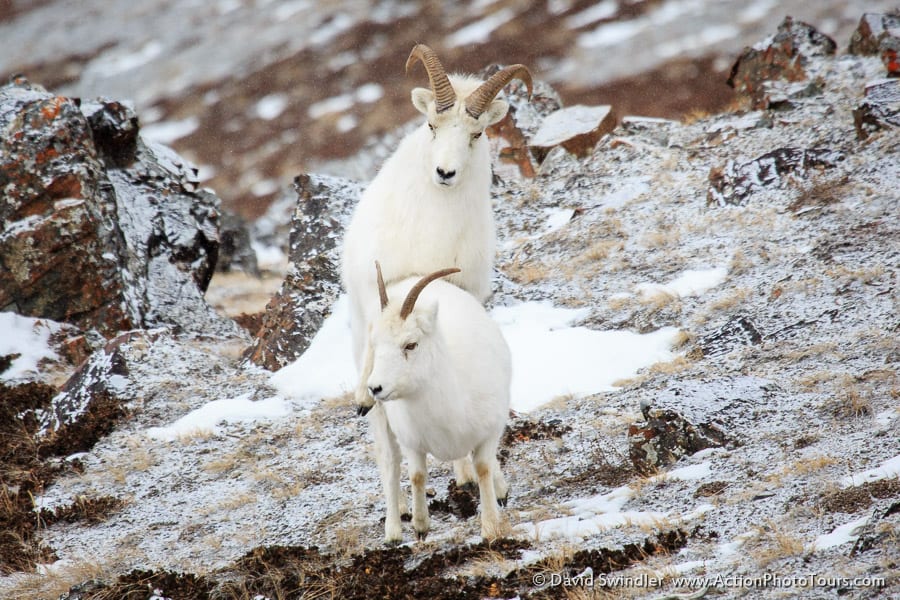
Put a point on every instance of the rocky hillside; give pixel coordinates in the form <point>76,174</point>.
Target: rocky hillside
<point>256,91</point>
<point>760,458</point>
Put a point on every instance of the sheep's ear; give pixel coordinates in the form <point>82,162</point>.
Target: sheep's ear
<point>428,317</point>
<point>496,111</point>
<point>421,98</point>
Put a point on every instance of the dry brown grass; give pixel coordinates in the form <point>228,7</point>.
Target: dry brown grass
<point>600,250</point>
<point>773,543</point>
<point>729,301</point>
<point>677,365</point>
<point>658,299</point>
<point>665,238</point>
<point>530,272</point>
<point>56,581</point>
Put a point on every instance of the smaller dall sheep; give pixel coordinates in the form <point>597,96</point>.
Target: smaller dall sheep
<point>441,371</point>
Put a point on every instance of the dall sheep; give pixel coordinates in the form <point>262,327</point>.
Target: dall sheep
<point>430,204</point>
<point>441,371</point>
<point>427,207</point>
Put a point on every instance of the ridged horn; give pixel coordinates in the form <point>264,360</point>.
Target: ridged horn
<point>413,294</point>
<point>478,101</point>
<point>444,96</point>
<point>382,292</point>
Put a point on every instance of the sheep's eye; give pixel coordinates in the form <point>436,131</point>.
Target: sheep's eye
<point>475,136</point>
<point>410,347</point>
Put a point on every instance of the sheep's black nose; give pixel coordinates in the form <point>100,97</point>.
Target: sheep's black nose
<point>375,390</point>
<point>445,174</point>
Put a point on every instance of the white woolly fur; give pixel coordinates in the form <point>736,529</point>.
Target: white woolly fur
<point>442,378</point>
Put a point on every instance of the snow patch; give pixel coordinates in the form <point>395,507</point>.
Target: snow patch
<point>326,369</point>
<point>602,10</point>
<point>688,473</point>
<point>541,339</point>
<point>841,535</point>
<point>231,410</point>
<point>29,338</point>
<point>689,283</point>
<point>887,469</point>
<point>166,132</point>
<point>480,31</point>
<point>366,94</point>
<point>270,107</point>
<point>551,359</point>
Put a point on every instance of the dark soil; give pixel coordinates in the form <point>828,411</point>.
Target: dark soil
<point>523,430</point>
<point>461,501</point>
<point>305,572</point>
<point>28,466</point>
<point>89,510</point>
<point>712,488</point>
<point>23,475</point>
<point>854,499</point>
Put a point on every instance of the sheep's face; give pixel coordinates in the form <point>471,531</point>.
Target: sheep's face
<point>402,350</point>
<point>454,134</point>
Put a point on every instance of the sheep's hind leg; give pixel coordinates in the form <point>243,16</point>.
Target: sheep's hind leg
<point>485,462</point>
<point>387,456</point>
<point>501,488</point>
<point>464,473</point>
<point>418,475</point>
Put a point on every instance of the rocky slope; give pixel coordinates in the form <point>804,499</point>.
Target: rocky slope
<point>256,91</point>
<point>764,458</point>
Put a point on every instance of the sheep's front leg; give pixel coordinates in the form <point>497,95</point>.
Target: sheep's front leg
<point>485,461</point>
<point>387,456</point>
<point>362,398</point>
<point>418,475</point>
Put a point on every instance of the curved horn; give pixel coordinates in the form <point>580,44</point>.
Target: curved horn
<point>382,292</point>
<point>478,101</point>
<point>444,96</point>
<point>413,294</point>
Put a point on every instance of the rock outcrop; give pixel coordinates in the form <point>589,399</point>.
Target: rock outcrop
<point>99,228</point>
<point>312,283</point>
<point>779,58</point>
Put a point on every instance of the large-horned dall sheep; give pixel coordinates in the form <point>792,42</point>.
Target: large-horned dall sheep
<point>441,371</point>
<point>430,204</point>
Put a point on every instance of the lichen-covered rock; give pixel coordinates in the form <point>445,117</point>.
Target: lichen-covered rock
<point>312,283</point>
<point>99,229</point>
<point>783,56</point>
<point>875,32</point>
<point>879,35</point>
<point>694,415</point>
<point>738,331</point>
<point>90,402</point>
<point>735,183</point>
<point>880,109</point>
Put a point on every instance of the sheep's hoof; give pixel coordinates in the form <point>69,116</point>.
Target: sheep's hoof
<point>392,543</point>
<point>469,486</point>
<point>503,501</point>
<point>362,410</point>
<point>421,535</point>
